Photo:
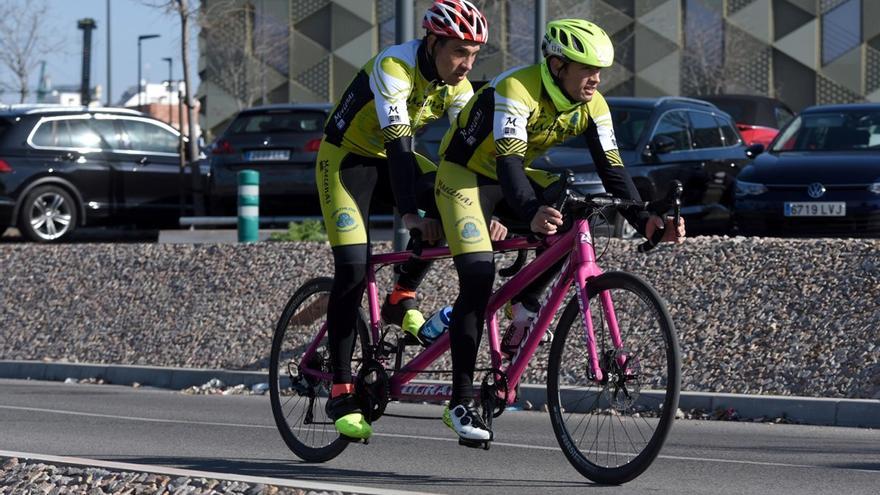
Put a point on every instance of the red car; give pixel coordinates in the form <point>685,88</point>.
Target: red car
<point>758,118</point>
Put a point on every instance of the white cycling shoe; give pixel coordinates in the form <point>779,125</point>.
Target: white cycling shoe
<point>465,421</point>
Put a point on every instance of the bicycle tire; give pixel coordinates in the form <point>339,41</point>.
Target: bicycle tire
<point>651,357</point>
<point>302,318</point>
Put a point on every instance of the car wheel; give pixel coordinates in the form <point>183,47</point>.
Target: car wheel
<point>48,214</point>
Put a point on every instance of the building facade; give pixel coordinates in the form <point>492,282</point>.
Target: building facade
<point>804,52</point>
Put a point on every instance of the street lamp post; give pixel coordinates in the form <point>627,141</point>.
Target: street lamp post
<point>141,38</point>
<point>170,82</point>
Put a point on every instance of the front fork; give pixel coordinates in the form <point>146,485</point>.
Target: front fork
<point>595,370</point>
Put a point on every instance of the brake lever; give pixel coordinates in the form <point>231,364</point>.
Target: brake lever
<point>567,179</point>
<point>416,236</point>
<point>673,202</point>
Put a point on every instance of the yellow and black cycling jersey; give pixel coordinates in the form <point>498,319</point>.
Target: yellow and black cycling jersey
<point>513,116</point>
<point>395,93</point>
<point>485,156</point>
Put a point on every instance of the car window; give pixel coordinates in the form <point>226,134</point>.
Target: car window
<point>629,125</point>
<point>283,121</point>
<point>146,136</point>
<point>83,136</point>
<point>728,133</point>
<point>53,133</point>
<point>108,132</point>
<point>851,130</point>
<point>674,125</point>
<point>706,133</point>
<point>433,131</point>
<point>783,117</point>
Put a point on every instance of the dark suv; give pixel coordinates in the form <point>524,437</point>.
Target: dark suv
<point>666,139</point>
<point>64,167</point>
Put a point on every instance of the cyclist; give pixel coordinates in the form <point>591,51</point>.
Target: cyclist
<point>484,164</point>
<point>367,152</point>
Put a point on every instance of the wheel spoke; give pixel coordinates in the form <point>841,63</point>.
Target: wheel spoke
<point>57,201</point>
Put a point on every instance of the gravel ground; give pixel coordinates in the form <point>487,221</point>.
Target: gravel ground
<point>23,476</point>
<point>754,315</point>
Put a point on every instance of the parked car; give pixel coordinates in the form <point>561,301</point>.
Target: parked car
<point>666,139</point>
<point>280,142</point>
<point>820,176</point>
<point>66,167</point>
<point>758,118</point>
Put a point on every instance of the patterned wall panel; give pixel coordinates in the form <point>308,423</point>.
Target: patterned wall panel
<point>783,41</point>
<point>872,69</point>
<point>734,6</point>
<point>829,92</point>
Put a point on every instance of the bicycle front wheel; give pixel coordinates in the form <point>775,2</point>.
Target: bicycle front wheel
<point>298,398</point>
<point>612,429</point>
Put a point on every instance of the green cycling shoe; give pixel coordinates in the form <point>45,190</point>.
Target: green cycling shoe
<point>347,417</point>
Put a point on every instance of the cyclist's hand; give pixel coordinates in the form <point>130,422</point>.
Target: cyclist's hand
<point>671,234</point>
<point>497,230</point>
<point>431,228</point>
<point>546,221</point>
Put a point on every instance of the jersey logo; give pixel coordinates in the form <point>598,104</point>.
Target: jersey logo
<point>470,230</point>
<point>510,121</point>
<point>509,131</point>
<point>393,116</point>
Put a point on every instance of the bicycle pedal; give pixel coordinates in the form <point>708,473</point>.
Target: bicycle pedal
<point>474,444</point>
<point>365,441</point>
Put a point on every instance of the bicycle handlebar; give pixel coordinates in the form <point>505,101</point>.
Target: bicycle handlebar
<point>590,203</point>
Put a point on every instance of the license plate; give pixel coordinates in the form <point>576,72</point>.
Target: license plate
<point>816,209</point>
<point>267,155</point>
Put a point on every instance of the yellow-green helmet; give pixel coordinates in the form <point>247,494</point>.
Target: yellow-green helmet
<point>579,41</point>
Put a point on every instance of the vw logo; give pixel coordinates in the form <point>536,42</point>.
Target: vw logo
<point>815,190</point>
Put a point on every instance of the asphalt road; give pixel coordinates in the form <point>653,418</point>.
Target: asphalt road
<point>236,434</point>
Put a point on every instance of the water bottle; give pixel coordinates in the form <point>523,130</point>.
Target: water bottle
<point>435,326</point>
<point>523,316</point>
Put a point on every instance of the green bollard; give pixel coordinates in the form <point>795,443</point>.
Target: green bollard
<point>248,206</point>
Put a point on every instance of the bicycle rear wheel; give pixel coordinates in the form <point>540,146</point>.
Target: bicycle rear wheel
<point>298,398</point>
<point>612,430</point>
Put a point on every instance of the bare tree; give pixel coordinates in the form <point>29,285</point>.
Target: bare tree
<point>715,63</point>
<point>186,14</point>
<point>242,46</point>
<point>24,39</point>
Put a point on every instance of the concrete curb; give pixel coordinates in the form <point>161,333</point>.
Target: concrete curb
<point>311,486</point>
<point>807,410</point>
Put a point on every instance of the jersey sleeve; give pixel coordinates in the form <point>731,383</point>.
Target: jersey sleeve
<point>513,106</point>
<point>600,115</point>
<point>459,100</point>
<point>391,82</point>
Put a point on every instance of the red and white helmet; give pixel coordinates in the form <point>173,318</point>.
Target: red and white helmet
<point>456,19</point>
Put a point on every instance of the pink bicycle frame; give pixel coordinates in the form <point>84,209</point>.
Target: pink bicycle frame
<point>580,268</point>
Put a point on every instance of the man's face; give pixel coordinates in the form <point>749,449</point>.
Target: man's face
<point>580,81</point>
<point>454,58</point>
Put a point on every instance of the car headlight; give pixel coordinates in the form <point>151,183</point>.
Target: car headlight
<point>874,188</point>
<point>749,188</point>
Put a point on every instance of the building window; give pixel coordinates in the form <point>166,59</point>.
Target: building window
<point>841,30</point>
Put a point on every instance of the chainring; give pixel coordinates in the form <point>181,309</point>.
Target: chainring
<point>372,389</point>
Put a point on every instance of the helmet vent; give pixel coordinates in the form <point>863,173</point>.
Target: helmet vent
<point>577,44</point>
<point>563,38</point>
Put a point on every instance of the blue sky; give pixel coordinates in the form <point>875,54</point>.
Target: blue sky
<point>130,18</point>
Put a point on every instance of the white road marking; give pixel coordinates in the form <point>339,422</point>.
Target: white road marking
<point>423,437</point>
